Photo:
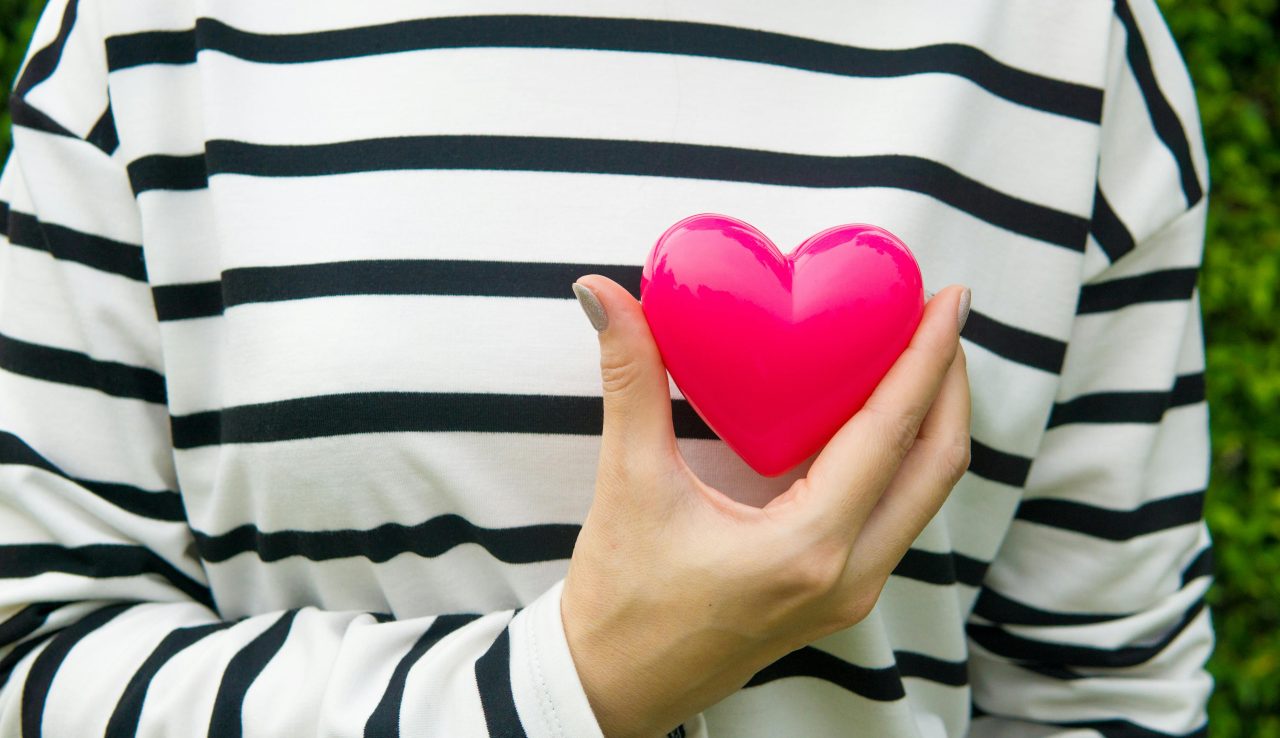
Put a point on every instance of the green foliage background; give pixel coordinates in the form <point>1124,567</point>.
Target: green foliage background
<point>1232,49</point>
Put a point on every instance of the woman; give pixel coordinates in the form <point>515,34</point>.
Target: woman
<point>302,434</point>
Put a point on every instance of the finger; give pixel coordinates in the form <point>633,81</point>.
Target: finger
<point>637,400</point>
<point>952,408</point>
<point>862,457</point>
<point>930,470</point>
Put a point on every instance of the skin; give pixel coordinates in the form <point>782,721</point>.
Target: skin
<point>677,594</point>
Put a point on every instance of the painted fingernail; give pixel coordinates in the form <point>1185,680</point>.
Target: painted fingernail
<point>966,298</point>
<point>591,306</point>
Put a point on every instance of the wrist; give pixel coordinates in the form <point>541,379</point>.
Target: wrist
<point>644,674</point>
<point>611,675</point>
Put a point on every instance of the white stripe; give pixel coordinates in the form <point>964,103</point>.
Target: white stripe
<point>1041,47</point>
<point>360,482</point>
<point>1128,464</point>
<point>288,695</point>
<point>1083,568</point>
<point>448,678</point>
<point>1004,418</point>
<point>976,513</point>
<point>364,661</point>
<point>1173,79</point>
<point>1165,705</point>
<point>247,586</point>
<point>575,94</point>
<point>180,700</point>
<point>1141,179</point>
<point>40,280</point>
<point>52,417</point>
<point>52,165</point>
<point>1124,350</point>
<point>80,696</point>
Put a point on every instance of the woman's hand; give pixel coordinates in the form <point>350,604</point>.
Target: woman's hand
<point>676,594</point>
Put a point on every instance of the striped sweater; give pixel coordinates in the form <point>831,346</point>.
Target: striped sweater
<point>298,418</point>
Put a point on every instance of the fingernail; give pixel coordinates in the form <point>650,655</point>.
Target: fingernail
<point>591,306</point>
<point>966,298</point>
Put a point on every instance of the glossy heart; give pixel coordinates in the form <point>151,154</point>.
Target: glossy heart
<point>774,351</point>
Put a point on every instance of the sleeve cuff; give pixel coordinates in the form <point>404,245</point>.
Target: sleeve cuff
<point>544,681</point>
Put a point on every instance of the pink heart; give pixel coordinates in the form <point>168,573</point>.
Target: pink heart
<point>776,352</point>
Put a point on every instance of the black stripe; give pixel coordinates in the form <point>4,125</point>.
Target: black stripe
<point>518,545</point>
<point>384,721</point>
<point>87,249</point>
<point>1188,389</point>
<point>1163,117</point>
<point>422,412</point>
<point>18,653</point>
<point>40,679</point>
<point>1200,566</point>
<point>39,68</point>
<point>1129,407</point>
<point>241,671</point>
<point>188,301</point>
<point>100,561</point>
<point>662,159</point>
<point>414,277</point>
<point>940,671</point>
<point>1004,610</point>
<point>611,34</point>
<point>1061,673</point>
<point>42,64</point>
<point>1114,525</point>
<point>25,115</point>
<point>167,172</point>
<point>1111,407</point>
<point>78,369</point>
<point>493,678</point>
<point>247,285</point>
<point>1001,642</point>
<point>882,685</point>
<point>1117,728</point>
<point>1162,286</point>
<point>1108,230</point>
<point>1126,729</point>
<point>998,466</point>
<point>969,571</point>
<point>941,568</point>
<point>599,156</point>
<point>26,621</point>
<point>1015,344</point>
<point>407,412</point>
<point>103,134</point>
<point>124,719</point>
<point>158,505</point>
<point>150,47</point>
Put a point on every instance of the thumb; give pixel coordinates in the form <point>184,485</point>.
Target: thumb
<point>637,401</point>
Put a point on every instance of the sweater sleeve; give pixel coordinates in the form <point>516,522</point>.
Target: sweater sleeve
<point>107,626</point>
<point>1092,620</point>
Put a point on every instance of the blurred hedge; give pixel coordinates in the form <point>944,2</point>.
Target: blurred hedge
<point>1232,49</point>
<point>17,20</point>
<point>1233,52</point>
